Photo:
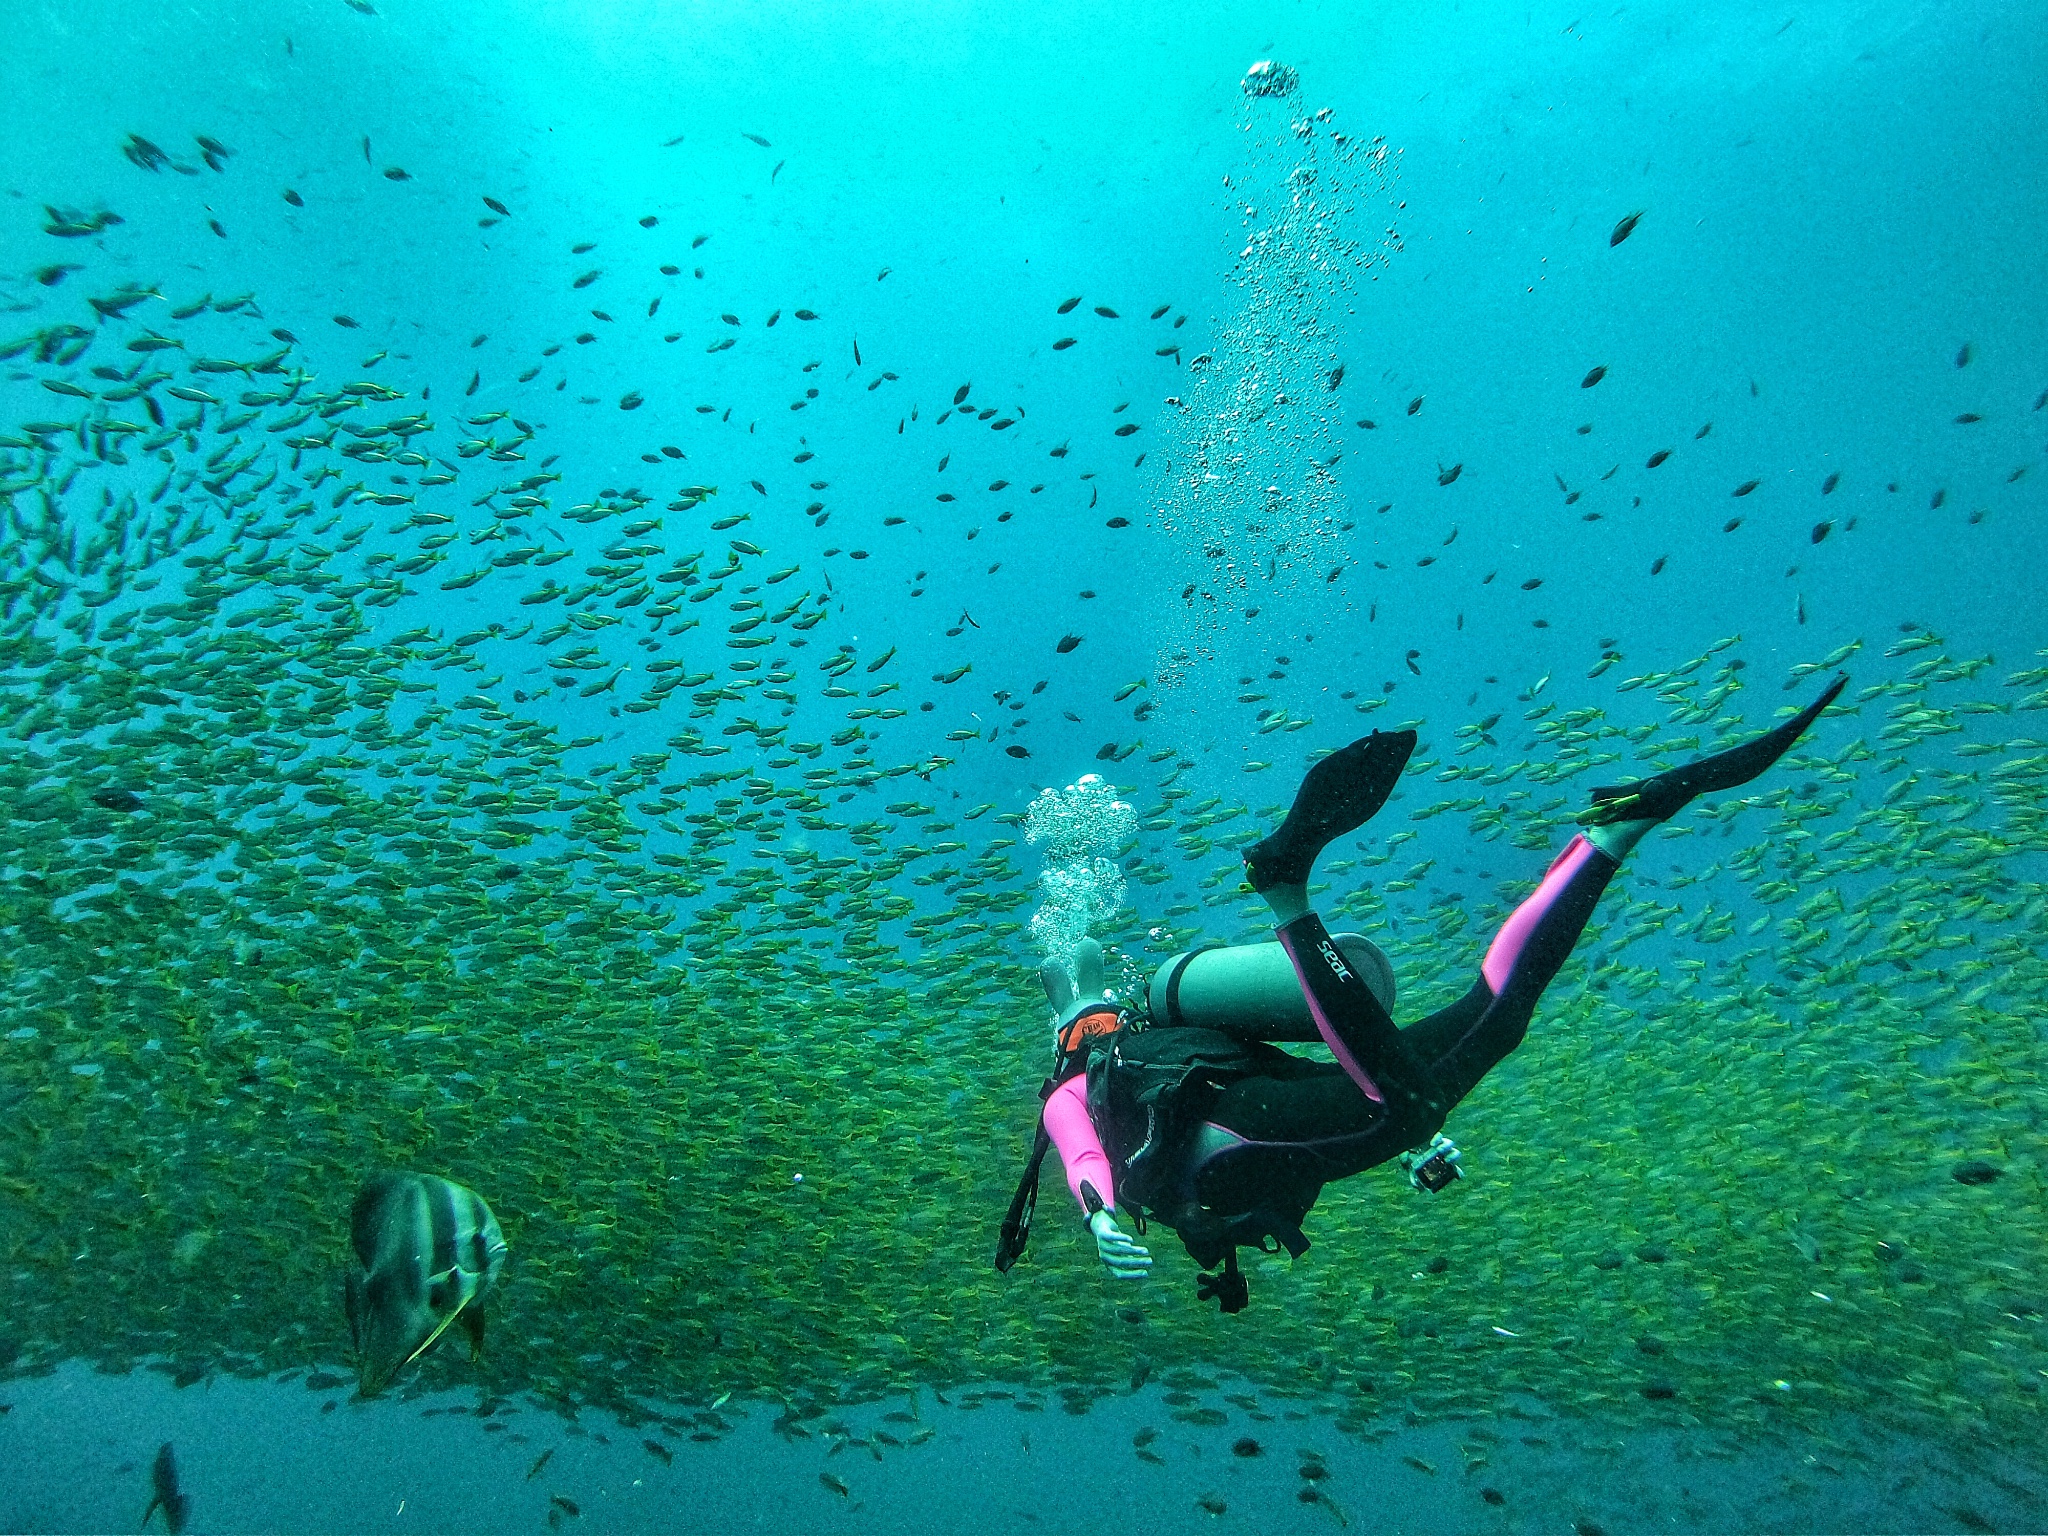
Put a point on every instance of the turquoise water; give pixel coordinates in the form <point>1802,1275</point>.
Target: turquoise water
<point>547,553</point>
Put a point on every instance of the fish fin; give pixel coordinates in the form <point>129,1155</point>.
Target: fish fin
<point>430,1340</point>
<point>352,1304</point>
<point>473,1324</point>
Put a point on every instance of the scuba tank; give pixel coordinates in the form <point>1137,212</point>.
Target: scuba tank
<point>1250,990</point>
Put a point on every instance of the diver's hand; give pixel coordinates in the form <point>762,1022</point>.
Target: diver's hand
<point>1125,1258</point>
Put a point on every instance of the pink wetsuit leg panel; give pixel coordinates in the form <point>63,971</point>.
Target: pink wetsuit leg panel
<point>1507,945</point>
<point>1345,1057</point>
<point>1080,1148</point>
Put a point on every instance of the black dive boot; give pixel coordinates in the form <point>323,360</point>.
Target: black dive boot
<point>1664,796</point>
<point>1340,794</point>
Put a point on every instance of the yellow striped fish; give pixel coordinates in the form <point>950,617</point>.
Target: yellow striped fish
<point>428,1250</point>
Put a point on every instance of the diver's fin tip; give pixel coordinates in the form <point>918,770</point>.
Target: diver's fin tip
<point>1059,986</point>
<point>1088,968</point>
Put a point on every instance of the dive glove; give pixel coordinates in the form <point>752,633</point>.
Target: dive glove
<point>1117,1249</point>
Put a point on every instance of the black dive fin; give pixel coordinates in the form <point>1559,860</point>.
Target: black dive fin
<point>1340,794</point>
<point>1664,796</point>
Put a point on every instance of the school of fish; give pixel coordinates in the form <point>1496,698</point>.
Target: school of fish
<point>732,1017</point>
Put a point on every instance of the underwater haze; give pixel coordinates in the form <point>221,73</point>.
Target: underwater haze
<point>548,552</point>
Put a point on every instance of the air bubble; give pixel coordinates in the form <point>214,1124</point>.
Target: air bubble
<point>1080,827</point>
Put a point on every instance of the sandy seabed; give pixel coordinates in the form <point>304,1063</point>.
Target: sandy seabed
<point>76,1449</point>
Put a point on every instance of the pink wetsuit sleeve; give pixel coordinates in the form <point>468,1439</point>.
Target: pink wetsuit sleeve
<point>1507,945</point>
<point>1067,1123</point>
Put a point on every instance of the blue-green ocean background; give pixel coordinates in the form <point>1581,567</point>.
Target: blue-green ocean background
<point>1840,257</point>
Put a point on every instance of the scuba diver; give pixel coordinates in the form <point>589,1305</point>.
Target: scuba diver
<point>1188,1113</point>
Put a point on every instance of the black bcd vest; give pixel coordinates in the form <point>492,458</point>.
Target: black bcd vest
<point>1149,1092</point>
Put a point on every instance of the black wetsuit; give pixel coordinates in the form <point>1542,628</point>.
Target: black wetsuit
<point>1229,1141</point>
<point>1266,1132</point>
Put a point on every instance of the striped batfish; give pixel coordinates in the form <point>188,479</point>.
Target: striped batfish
<point>428,1250</point>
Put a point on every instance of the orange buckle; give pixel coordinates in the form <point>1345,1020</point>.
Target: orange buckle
<point>1097,1021</point>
